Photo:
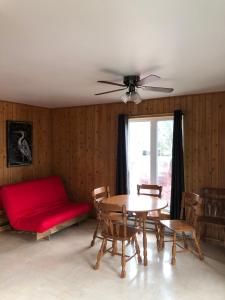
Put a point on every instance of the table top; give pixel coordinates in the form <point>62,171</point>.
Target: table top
<point>137,203</point>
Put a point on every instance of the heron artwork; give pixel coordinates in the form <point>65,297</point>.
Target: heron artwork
<point>23,146</point>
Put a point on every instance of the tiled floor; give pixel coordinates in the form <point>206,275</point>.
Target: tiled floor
<point>62,269</point>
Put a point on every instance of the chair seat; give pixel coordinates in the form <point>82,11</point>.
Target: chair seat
<point>177,225</point>
<point>130,233</point>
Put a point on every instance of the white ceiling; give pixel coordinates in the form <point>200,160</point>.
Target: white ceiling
<point>52,52</point>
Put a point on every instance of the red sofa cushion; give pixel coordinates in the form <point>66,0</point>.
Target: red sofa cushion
<point>39,204</point>
<point>45,220</point>
<point>1,206</point>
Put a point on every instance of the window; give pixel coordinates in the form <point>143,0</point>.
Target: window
<point>150,152</point>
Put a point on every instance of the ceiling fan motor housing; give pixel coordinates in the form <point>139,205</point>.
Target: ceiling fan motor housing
<point>131,79</point>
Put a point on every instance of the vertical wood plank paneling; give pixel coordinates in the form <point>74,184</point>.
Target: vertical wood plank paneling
<point>7,115</point>
<point>93,141</point>
<point>41,119</point>
<point>215,141</point>
<point>89,149</point>
<point>201,141</point>
<point>186,131</point>
<point>82,153</point>
<point>208,129</point>
<point>221,141</point>
<point>190,144</point>
<point>195,144</point>
<point>74,144</point>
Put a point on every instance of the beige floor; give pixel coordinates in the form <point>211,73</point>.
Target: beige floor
<point>62,269</point>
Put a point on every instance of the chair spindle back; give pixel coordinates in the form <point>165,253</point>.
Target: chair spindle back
<point>113,219</point>
<point>100,194</point>
<point>153,190</point>
<point>191,208</point>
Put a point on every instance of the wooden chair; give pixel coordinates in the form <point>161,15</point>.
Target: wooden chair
<point>154,217</point>
<point>98,195</point>
<point>153,190</point>
<point>191,209</point>
<point>114,227</point>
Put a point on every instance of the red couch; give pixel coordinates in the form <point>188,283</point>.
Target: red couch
<point>40,206</point>
<point>1,207</point>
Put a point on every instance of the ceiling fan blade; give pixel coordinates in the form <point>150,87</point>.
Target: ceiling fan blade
<point>147,79</point>
<point>113,83</point>
<point>157,89</point>
<point>112,71</point>
<point>110,91</point>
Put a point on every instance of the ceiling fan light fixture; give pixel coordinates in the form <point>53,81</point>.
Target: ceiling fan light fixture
<point>131,96</point>
<point>125,97</point>
<point>136,97</point>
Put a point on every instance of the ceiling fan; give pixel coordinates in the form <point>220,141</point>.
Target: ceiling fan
<point>133,82</point>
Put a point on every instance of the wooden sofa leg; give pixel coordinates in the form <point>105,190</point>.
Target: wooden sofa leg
<point>41,236</point>
<point>47,237</point>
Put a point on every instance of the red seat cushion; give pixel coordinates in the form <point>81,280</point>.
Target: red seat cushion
<point>43,221</point>
<point>1,206</point>
<point>39,204</point>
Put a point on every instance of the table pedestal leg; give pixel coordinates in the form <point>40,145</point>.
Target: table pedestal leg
<point>145,243</point>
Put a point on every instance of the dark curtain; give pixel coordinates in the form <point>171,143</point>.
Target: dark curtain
<point>121,166</point>
<point>177,184</point>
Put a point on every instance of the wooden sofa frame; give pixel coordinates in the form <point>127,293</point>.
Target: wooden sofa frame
<point>48,233</point>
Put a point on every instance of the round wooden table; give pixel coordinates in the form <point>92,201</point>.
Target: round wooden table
<point>140,205</point>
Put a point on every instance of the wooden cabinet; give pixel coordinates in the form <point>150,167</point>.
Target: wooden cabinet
<point>212,223</point>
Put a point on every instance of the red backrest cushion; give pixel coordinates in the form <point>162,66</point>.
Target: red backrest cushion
<point>32,197</point>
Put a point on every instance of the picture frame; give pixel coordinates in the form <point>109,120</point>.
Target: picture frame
<point>19,143</point>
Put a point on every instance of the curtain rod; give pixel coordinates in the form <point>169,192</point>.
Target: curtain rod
<point>150,115</point>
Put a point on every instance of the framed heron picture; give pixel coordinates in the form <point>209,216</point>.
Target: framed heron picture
<point>19,143</point>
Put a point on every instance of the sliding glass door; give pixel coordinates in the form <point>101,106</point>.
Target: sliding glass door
<point>150,152</point>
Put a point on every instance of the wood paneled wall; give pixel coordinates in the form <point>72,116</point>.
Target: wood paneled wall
<point>42,143</point>
<point>85,141</point>
<point>79,143</point>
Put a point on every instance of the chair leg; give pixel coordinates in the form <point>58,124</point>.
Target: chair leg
<point>114,247</point>
<point>138,225</point>
<point>161,240</point>
<point>105,246</point>
<point>95,233</point>
<point>123,261</point>
<point>100,254</point>
<point>184,240</point>
<point>137,248</point>
<point>132,241</point>
<point>173,260</point>
<point>145,242</point>
<point>157,235</point>
<point>200,254</point>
